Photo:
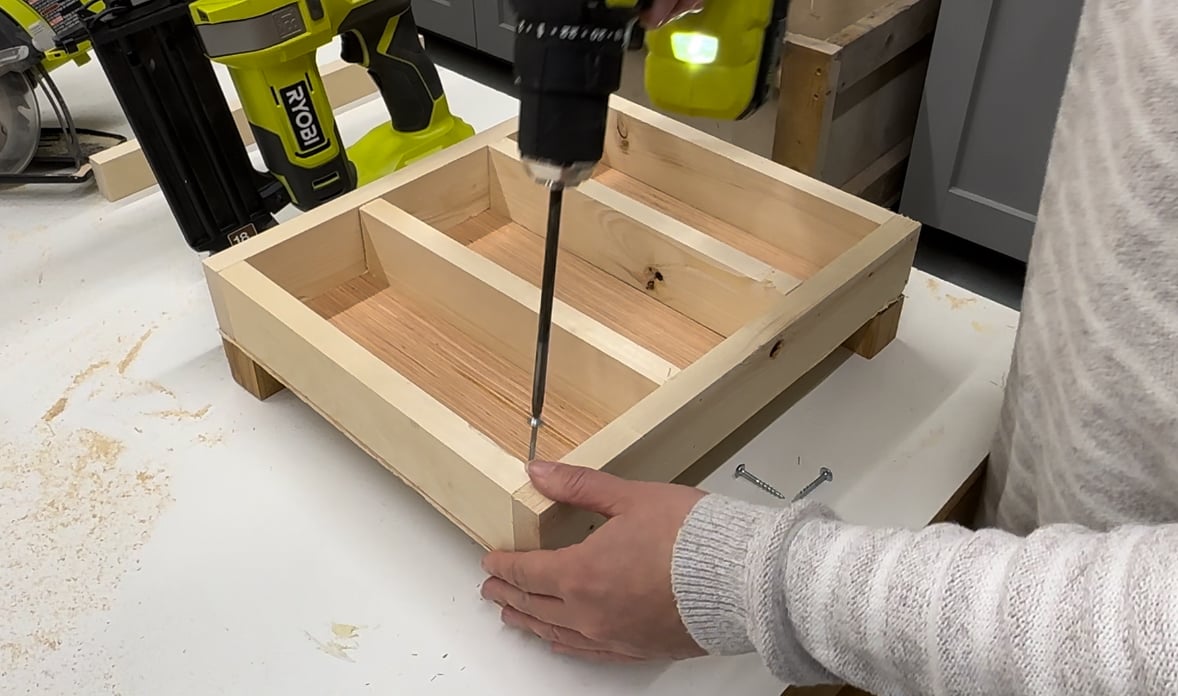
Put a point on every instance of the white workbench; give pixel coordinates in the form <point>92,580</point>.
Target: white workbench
<point>166,534</point>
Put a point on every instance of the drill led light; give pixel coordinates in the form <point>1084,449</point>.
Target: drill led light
<point>695,48</point>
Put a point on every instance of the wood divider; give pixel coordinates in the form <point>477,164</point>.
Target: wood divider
<point>500,310</point>
<point>699,276</point>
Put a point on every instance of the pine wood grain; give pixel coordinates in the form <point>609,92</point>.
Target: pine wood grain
<point>631,312</point>
<point>485,389</point>
<point>729,234</point>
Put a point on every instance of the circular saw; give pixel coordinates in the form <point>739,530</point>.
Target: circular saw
<point>30,48</point>
<point>20,122</point>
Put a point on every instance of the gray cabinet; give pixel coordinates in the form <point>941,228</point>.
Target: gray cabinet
<point>991,99</point>
<point>451,18</point>
<point>488,25</point>
<point>495,25</point>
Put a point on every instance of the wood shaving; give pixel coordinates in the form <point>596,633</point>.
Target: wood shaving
<point>79,379</point>
<point>345,637</point>
<point>181,414</point>
<point>134,352</point>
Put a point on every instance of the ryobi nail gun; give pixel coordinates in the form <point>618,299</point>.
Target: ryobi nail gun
<point>156,54</point>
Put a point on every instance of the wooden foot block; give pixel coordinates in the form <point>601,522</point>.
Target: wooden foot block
<point>250,375</point>
<point>877,333</point>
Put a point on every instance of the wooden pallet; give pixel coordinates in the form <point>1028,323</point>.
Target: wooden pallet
<point>697,282</point>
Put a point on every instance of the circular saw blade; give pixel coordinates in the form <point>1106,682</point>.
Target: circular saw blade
<point>20,122</point>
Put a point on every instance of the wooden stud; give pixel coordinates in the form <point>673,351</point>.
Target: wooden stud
<point>122,170</point>
<point>878,332</point>
<point>251,376</point>
<point>809,79</point>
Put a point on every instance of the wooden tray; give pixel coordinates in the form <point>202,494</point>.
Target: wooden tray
<point>696,283</point>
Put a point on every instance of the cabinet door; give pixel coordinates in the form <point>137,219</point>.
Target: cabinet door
<point>453,19</point>
<point>991,100</point>
<point>495,26</point>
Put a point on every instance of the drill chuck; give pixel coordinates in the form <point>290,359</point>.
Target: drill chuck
<point>568,60</point>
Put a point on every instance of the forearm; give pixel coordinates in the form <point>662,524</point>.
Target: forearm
<point>940,610</point>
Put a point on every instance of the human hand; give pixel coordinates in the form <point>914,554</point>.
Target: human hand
<point>663,11</point>
<point>608,597</point>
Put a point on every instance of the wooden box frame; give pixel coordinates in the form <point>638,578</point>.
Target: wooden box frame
<point>697,282</point>
<point>852,80</point>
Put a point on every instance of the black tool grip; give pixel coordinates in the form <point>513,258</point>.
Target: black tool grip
<point>382,36</point>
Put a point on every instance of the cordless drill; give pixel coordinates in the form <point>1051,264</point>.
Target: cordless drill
<point>716,63</point>
<point>270,46</point>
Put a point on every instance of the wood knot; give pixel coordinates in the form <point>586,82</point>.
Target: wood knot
<point>621,127</point>
<point>775,350</point>
<point>623,132</point>
<point>653,276</point>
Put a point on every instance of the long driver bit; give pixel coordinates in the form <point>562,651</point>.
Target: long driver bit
<point>547,291</point>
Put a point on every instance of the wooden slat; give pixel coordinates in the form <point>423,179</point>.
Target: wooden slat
<point>883,179</point>
<point>809,79</point>
<point>683,268</point>
<point>819,19</point>
<point>877,119</point>
<point>122,170</point>
<point>879,37</point>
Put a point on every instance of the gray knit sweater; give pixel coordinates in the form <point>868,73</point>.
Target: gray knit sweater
<point>1072,585</point>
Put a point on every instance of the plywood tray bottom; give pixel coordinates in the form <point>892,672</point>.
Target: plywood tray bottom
<point>488,391</point>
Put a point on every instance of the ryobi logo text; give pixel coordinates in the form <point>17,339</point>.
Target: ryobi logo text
<point>296,99</point>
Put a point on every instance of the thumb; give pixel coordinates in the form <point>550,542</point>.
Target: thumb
<point>592,490</point>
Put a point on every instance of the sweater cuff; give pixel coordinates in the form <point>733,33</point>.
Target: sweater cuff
<point>728,571</point>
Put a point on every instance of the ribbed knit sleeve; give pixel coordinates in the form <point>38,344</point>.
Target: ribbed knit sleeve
<point>942,610</point>
<point>1088,435</point>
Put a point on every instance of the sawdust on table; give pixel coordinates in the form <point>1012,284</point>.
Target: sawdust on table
<point>344,637</point>
<point>74,514</point>
<point>181,414</point>
<point>134,352</point>
<point>79,379</point>
<point>956,303</point>
<point>211,439</point>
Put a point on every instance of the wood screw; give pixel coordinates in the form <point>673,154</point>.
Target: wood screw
<point>824,475</point>
<point>743,473</point>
